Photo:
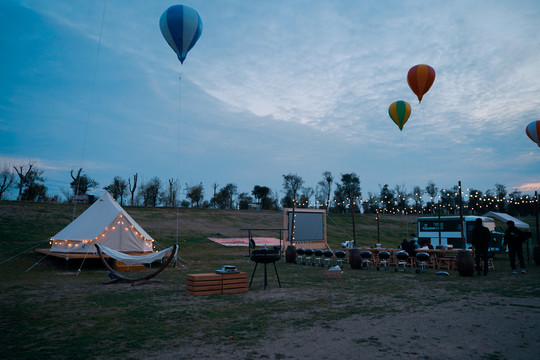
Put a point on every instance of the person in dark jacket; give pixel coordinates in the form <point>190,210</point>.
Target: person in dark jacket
<point>513,237</point>
<point>480,241</point>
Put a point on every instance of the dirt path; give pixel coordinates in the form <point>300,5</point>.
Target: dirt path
<point>483,327</point>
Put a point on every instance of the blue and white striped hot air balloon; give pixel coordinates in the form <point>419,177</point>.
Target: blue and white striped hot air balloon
<point>181,26</point>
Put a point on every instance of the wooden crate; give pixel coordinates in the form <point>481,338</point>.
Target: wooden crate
<point>122,266</point>
<point>203,284</point>
<point>211,283</point>
<point>332,274</point>
<point>235,283</point>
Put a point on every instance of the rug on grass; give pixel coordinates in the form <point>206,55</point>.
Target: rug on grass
<point>259,241</point>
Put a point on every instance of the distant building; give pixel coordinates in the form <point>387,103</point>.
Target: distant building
<point>84,199</point>
<point>254,206</point>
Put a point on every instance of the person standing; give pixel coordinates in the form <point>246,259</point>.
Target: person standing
<point>480,241</point>
<point>513,237</point>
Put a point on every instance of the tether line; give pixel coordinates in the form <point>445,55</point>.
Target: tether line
<point>25,250</point>
<point>90,106</point>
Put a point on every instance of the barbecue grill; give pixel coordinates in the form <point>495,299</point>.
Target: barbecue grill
<point>265,256</point>
<point>340,255</point>
<point>309,253</point>
<point>318,255</point>
<point>366,259</point>
<point>402,257</point>
<point>328,257</point>
<point>423,259</point>
<point>300,253</point>
<point>384,258</point>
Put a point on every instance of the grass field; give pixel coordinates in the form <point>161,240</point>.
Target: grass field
<point>54,311</point>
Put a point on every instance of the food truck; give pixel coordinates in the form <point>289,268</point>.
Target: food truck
<point>445,231</point>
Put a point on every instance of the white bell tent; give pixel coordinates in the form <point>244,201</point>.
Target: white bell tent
<point>105,222</point>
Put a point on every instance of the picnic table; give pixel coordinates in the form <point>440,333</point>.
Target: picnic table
<point>439,258</point>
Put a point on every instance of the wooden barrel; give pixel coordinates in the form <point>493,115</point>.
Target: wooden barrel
<point>290,254</point>
<point>355,259</point>
<point>465,263</point>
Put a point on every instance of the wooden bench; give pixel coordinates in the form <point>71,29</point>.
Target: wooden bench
<point>213,283</point>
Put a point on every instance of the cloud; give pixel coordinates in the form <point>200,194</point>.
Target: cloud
<point>529,187</point>
<point>279,87</point>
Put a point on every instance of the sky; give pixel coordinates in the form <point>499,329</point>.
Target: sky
<point>272,88</point>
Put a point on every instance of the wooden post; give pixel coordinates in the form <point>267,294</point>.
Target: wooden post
<point>461,217</point>
<point>351,207</point>
<point>536,249</point>
<point>439,226</point>
<point>292,225</point>
<point>536,211</point>
<point>378,230</point>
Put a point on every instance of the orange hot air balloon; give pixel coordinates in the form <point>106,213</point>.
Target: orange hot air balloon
<point>420,79</point>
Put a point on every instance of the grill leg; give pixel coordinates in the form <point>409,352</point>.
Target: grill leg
<point>253,273</point>
<point>265,281</point>
<point>277,275</point>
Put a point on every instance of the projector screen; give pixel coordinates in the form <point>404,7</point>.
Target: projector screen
<point>309,225</point>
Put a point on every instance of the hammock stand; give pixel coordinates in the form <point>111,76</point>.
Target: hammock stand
<point>117,277</point>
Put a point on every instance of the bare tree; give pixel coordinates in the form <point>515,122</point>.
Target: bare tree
<point>196,194</point>
<point>307,193</point>
<point>215,186</point>
<point>23,172</point>
<point>132,188</point>
<point>417,197</point>
<point>82,183</point>
<point>76,182</point>
<point>329,179</point>
<point>402,198</point>
<point>431,190</point>
<point>35,189</point>
<point>291,184</point>
<point>6,180</point>
<point>117,189</point>
<point>500,194</point>
<point>172,193</point>
<point>150,192</point>
<point>122,186</point>
<point>350,185</point>
<point>261,194</point>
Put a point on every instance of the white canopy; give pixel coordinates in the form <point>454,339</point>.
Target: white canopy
<point>505,217</point>
<point>106,223</point>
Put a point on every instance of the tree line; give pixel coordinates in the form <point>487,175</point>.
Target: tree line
<point>343,195</point>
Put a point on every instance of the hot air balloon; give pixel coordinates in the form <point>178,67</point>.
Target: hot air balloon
<point>533,131</point>
<point>420,79</point>
<point>400,111</point>
<point>181,27</point>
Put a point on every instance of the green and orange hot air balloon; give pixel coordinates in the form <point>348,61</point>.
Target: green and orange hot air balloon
<point>400,111</point>
<point>420,79</point>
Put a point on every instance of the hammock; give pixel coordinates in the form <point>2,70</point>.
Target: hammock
<point>130,260</point>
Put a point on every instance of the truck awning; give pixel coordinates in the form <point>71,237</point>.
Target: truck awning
<point>505,217</point>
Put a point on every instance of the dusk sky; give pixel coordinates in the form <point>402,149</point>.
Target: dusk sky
<point>271,88</point>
